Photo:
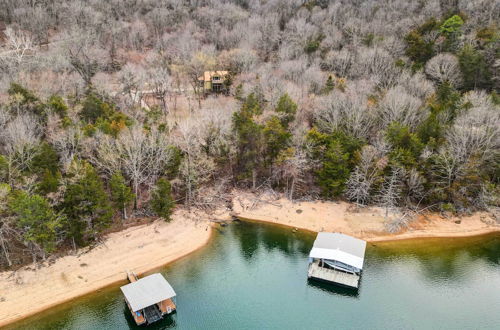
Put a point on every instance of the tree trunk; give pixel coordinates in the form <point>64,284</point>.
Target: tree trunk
<point>292,188</point>
<point>5,251</point>
<point>136,192</point>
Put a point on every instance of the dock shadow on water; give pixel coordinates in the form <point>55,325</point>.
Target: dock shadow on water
<point>167,322</point>
<point>334,289</point>
<point>254,276</point>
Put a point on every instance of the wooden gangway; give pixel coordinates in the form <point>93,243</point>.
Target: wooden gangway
<point>332,275</point>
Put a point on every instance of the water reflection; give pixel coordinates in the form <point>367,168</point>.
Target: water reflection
<point>254,276</point>
<point>439,260</point>
<point>272,238</point>
<point>334,289</point>
<point>167,322</point>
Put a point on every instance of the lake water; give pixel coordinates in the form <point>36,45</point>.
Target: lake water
<point>254,276</point>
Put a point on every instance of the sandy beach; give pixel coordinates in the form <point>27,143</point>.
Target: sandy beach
<point>366,223</point>
<point>140,249</point>
<point>147,247</point>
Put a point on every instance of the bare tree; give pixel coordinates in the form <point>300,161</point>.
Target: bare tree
<point>194,69</point>
<point>202,138</point>
<point>160,83</point>
<point>19,141</point>
<point>361,183</point>
<point>444,68</point>
<point>67,142</point>
<point>142,156</point>
<point>87,59</point>
<point>389,195</point>
<point>132,79</point>
<point>19,47</point>
<point>347,111</point>
<point>398,105</point>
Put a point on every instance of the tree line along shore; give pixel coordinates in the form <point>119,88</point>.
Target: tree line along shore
<point>24,292</point>
<point>104,119</point>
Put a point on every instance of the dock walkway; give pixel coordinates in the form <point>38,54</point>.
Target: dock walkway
<point>332,275</point>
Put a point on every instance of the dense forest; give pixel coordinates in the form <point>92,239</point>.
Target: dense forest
<point>380,102</point>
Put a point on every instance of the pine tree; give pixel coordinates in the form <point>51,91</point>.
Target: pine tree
<point>46,159</point>
<point>86,206</point>
<point>249,137</point>
<point>287,109</point>
<point>162,202</point>
<point>276,136</point>
<point>37,221</point>
<point>121,193</point>
<point>475,70</point>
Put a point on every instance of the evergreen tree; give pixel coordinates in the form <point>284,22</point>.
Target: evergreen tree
<point>418,49</point>
<point>335,154</point>
<point>452,25</point>
<point>287,109</point>
<point>37,221</point>
<point>334,172</point>
<point>57,105</point>
<point>49,182</point>
<point>475,70</point>
<point>249,137</point>
<point>94,107</point>
<point>276,136</point>
<point>4,169</point>
<point>86,206</point>
<point>162,202</point>
<point>406,146</point>
<point>121,193</point>
<point>46,159</point>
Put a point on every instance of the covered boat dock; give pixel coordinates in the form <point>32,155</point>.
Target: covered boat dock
<point>337,258</point>
<point>149,298</point>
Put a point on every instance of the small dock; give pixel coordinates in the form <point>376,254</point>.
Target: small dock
<point>337,258</point>
<point>149,298</point>
<point>331,275</point>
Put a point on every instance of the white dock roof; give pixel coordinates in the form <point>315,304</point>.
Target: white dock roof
<point>340,247</point>
<point>147,291</point>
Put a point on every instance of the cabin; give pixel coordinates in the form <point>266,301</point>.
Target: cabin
<point>149,299</point>
<point>337,258</point>
<point>214,81</point>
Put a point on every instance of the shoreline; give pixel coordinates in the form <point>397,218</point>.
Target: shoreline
<point>368,223</point>
<point>389,238</point>
<point>27,292</point>
<point>74,276</point>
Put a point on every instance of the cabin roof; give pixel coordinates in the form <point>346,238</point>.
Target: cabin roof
<point>147,291</point>
<point>207,75</point>
<point>340,247</point>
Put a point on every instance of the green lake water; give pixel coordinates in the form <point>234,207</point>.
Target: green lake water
<point>254,276</point>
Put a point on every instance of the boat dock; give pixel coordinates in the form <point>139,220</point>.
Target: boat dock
<point>149,299</point>
<point>331,275</point>
<point>337,258</point>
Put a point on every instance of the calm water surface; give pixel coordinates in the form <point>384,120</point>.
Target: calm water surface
<point>253,276</point>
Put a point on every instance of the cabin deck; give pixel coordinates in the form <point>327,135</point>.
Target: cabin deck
<point>331,275</point>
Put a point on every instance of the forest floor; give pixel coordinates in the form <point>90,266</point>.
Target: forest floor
<point>147,247</point>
